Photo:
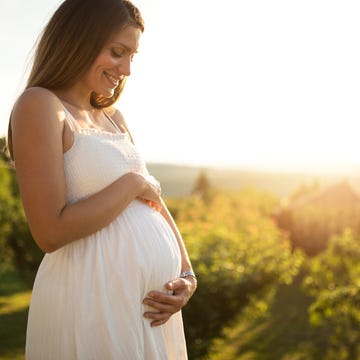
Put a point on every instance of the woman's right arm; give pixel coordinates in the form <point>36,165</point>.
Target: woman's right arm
<point>37,130</point>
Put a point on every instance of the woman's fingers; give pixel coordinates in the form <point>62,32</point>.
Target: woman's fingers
<point>151,196</point>
<point>153,204</point>
<point>158,318</point>
<point>166,305</point>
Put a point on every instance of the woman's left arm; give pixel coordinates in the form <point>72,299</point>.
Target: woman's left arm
<point>182,287</point>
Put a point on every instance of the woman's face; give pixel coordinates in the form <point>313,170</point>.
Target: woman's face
<point>113,62</point>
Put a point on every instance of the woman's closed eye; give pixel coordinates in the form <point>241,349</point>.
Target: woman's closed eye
<point>117,53</point>
<point>120,53</point>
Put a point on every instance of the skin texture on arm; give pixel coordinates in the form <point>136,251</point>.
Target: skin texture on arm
<point>37,125</point>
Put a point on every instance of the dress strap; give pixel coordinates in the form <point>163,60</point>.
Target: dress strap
<point>113,122</point>
<point>69,119</point>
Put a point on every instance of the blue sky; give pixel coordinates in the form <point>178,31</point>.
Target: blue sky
<point>264,84</point>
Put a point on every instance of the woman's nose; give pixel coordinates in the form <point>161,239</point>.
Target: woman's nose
<point>125,66</point>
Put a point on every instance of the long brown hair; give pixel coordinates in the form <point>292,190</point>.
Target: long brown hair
<point>71,41</point>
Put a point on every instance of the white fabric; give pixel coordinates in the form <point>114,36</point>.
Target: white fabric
<point>87,297</point>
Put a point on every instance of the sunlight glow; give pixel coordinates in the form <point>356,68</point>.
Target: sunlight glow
<point>237,83</point>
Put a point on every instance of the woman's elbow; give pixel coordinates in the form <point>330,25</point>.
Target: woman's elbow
<point>45,245</point>
<point>49,241</point>
<point>46,248</point>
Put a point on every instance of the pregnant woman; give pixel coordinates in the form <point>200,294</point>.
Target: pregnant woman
<point>116,272</point>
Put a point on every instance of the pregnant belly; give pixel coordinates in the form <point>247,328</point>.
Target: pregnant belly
<point>149,241</point>
<point>137,248</point>
<point>99,282</point>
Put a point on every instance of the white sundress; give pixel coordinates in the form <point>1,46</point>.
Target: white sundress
<point>87,297</point>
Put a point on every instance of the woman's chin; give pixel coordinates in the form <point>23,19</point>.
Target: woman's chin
<point>106,93</point>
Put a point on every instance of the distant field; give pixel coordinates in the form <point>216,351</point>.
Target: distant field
<point>178,181</point>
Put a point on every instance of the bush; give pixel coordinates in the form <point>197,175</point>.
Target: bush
<point>239,256</point>
<point>334,281</point>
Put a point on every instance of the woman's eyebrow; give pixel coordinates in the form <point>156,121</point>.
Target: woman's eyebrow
<point>127,48</point>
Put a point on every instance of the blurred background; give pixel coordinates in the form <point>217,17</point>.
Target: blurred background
<point>247,112</point>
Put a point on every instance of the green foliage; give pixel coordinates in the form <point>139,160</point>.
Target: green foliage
<point>6,203</point>
<point>17,247</point>
<point>334,280</point>
<point>284,332</point>
<point>239,255</point>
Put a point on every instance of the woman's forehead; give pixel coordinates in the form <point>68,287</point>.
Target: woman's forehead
<point>127,37</point>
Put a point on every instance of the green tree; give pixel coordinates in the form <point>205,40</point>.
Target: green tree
<point>202,187</point>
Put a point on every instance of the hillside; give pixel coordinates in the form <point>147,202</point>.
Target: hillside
<point>178,180</point>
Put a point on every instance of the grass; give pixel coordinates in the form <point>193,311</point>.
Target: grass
<point>14,303</point>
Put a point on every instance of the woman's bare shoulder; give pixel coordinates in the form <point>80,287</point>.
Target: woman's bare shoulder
<point>37,97</point>
<point>37,125</point>
<point>34,104</point>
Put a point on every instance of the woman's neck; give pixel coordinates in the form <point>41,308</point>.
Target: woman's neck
<point>75,98</point>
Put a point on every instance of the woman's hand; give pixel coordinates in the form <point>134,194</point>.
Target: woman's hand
<point>151,194</point>
<point>166,305</point>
